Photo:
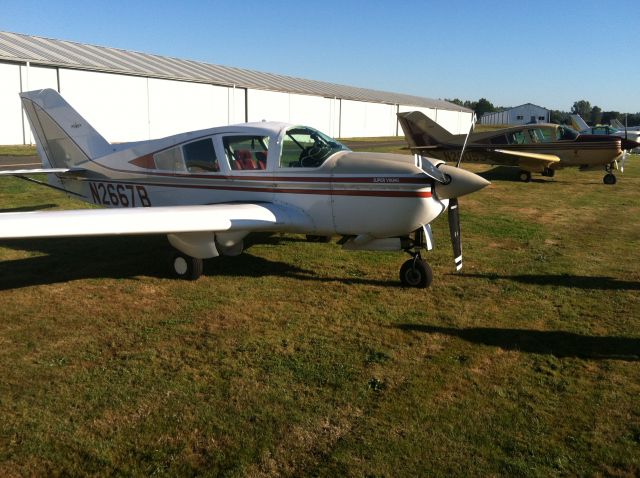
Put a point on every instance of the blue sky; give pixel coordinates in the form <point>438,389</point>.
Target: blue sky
<point>550,53</point>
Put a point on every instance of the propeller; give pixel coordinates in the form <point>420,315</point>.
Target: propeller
<point>454,230</point>
<point>453,183</point>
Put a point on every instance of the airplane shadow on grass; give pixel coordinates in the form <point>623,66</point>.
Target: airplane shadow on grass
<point>67,259</point>
<point>565,280</point>
<point>557,343</point>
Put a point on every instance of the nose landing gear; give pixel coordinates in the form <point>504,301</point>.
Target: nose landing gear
<point>416,272</point>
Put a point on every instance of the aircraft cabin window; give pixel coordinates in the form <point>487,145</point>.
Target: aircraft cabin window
<point>304,147</point>
<point>564,133</point>
<point>169,159</point>
<point>200,156</point>
<point>246,152</point>
<point>517,137</point>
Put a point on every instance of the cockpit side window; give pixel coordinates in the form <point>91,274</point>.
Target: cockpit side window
<point>564,134</point>
<point>199,156</point>
<point>304,147</point>
<point>246,152</point>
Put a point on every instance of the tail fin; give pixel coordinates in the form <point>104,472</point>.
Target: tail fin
<point>617,124</point>
<point>421,130</point>
<point>578,123</point>
<point>63,137</point>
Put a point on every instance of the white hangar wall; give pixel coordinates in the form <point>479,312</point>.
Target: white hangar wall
<point>315,111</point>
<point>127,108</point>
<point>359,119</point>
<point>10,109</point>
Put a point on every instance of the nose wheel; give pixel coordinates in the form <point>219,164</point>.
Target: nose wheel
<point>416,272</point>
<point>609,178</point>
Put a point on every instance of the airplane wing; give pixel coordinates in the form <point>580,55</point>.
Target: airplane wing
<point>530,161</point>
<point>20,172</point>
<point>152,220</point>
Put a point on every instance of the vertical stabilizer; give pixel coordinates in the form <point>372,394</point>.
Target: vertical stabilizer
<point>579,124</point>
<point>64,138</point>
<point>421,131</point>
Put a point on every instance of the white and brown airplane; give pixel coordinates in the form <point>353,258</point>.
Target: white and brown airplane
<point>207,190</point>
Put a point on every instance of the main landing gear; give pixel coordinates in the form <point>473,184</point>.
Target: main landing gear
<point>609,178</point>
<point>525,176</point>
<point>187,267</point>
<point>416,272</point>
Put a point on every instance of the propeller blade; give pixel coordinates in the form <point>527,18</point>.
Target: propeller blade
<point>622,161</point>
<point>454,229</point>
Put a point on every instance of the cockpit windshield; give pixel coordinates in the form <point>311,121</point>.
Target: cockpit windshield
<point>566,133</point>
<point>304,147</point>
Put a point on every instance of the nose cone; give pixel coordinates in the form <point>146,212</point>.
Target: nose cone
<point>462,182</point>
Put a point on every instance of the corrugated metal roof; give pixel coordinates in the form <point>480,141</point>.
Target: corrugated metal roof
<point>17,47</point>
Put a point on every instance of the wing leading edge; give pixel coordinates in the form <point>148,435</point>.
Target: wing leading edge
<point>153,220</point>
<point>530,161</point>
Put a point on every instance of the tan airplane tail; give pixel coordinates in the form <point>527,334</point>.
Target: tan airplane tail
<point>421,131</point>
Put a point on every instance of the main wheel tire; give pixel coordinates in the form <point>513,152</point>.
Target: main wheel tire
<point>525,176</point>
<point>609,179</point>
<point>187,267</point>
<point>416,273</point>
<point>314,238</point>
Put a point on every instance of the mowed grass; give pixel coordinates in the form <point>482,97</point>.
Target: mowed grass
<point>301,359</point>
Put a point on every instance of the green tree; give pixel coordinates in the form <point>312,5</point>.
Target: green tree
<point>596,115</point>
<point>607,116</point>
<point>582,108</point>
<point>484,106</point>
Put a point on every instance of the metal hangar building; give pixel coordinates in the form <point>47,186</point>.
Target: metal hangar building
<point>523,114</point>
<point>131,96</point>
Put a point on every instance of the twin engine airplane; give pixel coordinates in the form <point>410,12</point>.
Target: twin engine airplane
<point>539,148</point>
<point>207,190</point>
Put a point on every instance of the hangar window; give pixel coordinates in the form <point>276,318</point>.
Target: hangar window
<point>541,118</point>
<point>246,152</point>
<point>200,156</point>
<point>520,117</point>
<point>304,147</point>
<point>169,159</point>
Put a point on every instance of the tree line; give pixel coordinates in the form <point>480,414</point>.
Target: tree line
<point>591,114</point>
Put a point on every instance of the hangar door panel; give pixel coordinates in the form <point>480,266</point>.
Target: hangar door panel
<point>311,111</point>
<point>11,117</point>
<point>37,78</point>
<point>448,120</point>
<point>115,105</point>
<point>179,106</point>
<point>367,119</point>
<point>267,105</point>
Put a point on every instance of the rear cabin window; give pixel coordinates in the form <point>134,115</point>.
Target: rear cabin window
<point>246,152</point>
<point>200,157</point>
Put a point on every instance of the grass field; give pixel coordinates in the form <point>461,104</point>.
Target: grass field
<point>301,359</point>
